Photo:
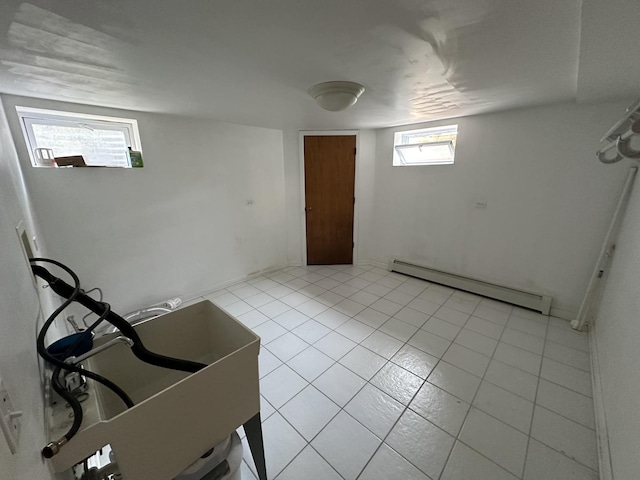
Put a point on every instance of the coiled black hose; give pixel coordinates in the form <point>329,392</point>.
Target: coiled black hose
<point>52,448</point>
<point>138,349</point>
<point>74,293</point>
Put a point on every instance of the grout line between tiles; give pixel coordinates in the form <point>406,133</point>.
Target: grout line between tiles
<point>559,451</point>
<point>308,442</point>
<point>535,403</point>
<point>567,346</point>
<point>405,408</point>
<point>368,382</point>
<point>404,343</point>
<point>457,438</point>
<point>567,388</point>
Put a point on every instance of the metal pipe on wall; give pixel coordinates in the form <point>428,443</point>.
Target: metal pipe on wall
<point>606,254</point>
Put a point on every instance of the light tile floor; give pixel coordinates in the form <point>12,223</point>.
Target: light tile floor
<point>372,375</point>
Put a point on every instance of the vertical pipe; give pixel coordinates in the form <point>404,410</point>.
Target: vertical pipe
<point>605,253</point>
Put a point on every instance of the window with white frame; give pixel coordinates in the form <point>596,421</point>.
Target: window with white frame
<point>427,146</point>
<point>100,141</point>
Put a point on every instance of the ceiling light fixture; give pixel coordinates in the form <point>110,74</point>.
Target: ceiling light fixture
<point>336,96</point>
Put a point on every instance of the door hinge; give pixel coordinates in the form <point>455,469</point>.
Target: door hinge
<point>355,150</point>
<point>354,200</point>
<point>353,244</point>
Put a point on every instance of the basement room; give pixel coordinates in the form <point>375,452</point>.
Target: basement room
<point>338,240</point>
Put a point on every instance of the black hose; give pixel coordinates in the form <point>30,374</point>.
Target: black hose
<point>42,351</point>
<point>71,400</point>
<point>138,349</point>
<point>88,373</point>
<point>88,331</point>
<point>52,448</point>
<point>47,452</point>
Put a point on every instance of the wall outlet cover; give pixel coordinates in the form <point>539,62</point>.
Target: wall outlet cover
<point>23,237</point>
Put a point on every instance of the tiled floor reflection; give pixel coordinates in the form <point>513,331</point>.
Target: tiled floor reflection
<point>372,375</point>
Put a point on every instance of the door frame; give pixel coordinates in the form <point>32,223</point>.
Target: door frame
<point>356,207</point>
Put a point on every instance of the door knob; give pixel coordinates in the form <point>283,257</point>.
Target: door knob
<point>307,209</point>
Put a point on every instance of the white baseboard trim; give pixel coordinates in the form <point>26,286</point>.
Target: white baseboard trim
<point>294,263</point>
<point>386,264</point>
<point>505,293</point>
<point>243,278</point>
<point>602,434</point>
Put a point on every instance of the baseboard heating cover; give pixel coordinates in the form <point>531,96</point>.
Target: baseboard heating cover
<point>533,301</point>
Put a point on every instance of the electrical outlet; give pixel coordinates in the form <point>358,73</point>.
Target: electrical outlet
<point>9,419</point>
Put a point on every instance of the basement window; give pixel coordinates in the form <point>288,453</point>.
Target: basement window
<point>427,146</point>
<point>65,139</point>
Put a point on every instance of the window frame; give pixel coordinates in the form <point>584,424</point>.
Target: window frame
<point>29,116</point>
<point>402,141</point>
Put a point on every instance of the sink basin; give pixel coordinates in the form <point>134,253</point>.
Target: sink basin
<point>177,416</point>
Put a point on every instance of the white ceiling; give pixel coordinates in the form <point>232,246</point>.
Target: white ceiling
<point>610,41</point>
<point>251,62</point>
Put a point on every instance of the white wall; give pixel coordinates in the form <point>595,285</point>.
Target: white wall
<point>293,196</point>
<point>365,183</point>
<point>549,200</point>
<point>617,339</point>
<point>18,365</point>
<point>208,207</point>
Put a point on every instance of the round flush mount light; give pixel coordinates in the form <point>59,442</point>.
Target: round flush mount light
<point>336,96</point>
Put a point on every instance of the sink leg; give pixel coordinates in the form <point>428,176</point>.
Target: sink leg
<point>253,430</point>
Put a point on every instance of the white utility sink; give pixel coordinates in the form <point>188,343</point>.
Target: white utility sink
<point>177,416</point>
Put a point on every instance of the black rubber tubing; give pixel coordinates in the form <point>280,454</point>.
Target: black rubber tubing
<point>88,373</point>
<point>75,405</point>
<point>47,451</point>
<point>74,293</point>
<point>138,349</point>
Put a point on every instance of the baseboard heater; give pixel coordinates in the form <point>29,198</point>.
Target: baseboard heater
<point>533,301</point>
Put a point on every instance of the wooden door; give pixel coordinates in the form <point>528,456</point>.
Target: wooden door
<point>329,176</point>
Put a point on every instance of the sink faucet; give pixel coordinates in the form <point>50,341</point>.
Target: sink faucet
<point>101,348</point>
<point>73,380</point>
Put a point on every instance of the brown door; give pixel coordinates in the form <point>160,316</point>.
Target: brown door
<point>329,176</point>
